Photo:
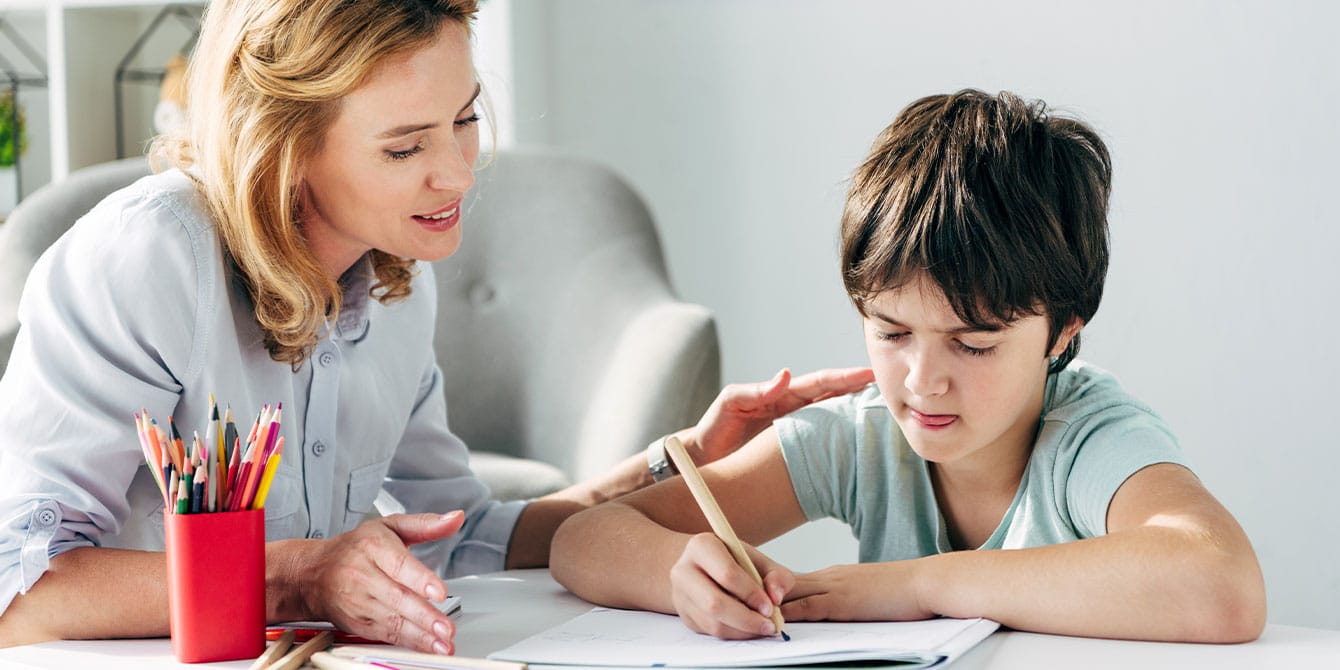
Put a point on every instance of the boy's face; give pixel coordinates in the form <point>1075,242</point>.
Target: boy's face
<point>961,396</point>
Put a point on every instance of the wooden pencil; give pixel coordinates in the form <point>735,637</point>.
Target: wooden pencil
<point>708,503</point>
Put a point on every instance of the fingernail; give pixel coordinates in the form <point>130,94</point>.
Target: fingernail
<point>441,630</point>
<point>436,593</point>
<point>768,628</point>
<point>765,609</point>
<point>441,648</point>
<point>452,515</point>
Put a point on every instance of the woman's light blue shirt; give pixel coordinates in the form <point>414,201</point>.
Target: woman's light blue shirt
<point>137,307</point>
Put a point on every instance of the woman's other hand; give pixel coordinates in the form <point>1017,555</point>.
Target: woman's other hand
<point>368,583</point>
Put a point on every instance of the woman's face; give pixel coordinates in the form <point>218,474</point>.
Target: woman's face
<point>397,160</point>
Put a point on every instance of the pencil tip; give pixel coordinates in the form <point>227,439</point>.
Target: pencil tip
<point>785,637</point>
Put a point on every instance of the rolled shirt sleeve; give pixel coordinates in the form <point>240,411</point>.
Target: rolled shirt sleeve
<point>91,337</point>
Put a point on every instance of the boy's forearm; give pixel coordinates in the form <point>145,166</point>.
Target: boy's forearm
<point>627,568</point>
<point>1148,583</point>
<point>532,539</point>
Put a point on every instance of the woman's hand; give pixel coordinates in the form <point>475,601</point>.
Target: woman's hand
<point>742,411</point>
<point>864,592</point>
<point>714,595</point>
<point>366,581</point>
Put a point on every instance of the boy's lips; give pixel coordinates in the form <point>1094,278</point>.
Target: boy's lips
<point>932,421</point>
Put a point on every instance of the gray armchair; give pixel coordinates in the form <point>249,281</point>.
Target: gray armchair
<point>562,344</point>
<point>558,332</point>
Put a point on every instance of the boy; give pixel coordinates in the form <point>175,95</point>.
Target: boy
<point>974,246</point>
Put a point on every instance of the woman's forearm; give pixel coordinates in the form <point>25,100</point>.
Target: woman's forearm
<point>91,593</point>
<point>99,593</point>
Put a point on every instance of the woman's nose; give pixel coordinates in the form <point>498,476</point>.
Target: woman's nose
<point>453,173</point>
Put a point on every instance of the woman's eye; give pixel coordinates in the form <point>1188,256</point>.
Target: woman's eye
<point>890,337</point>
<point>467,121</point>
<point>402,155</point>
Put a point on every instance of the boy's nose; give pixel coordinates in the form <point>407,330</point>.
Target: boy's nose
<point>925,378</point>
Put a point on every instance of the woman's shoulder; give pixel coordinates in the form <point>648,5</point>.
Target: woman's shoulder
<point>158,215</point>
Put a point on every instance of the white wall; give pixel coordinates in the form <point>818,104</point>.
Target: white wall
<point>739,121</point>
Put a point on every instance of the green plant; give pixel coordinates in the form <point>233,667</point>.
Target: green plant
<point>8,129</point>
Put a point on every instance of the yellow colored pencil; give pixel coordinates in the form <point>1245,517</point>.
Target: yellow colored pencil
<point>271,466</point>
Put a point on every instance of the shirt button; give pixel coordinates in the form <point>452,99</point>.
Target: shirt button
<point>46,518</point>
<point>318,534</point>
<point>326,358</point>
<point>318,448</point>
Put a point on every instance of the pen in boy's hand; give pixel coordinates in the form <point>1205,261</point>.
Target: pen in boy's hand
<point>717,519</point>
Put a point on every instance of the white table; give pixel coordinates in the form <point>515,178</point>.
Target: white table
<point>503,608</point>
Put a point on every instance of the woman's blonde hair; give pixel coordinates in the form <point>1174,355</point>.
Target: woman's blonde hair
<point>263,86</point>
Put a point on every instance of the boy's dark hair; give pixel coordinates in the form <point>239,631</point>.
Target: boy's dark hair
<point>1002,205</point>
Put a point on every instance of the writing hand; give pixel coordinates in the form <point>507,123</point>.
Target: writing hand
<point>742,411</point>
<point>714,595</point>
<point>367,582</point>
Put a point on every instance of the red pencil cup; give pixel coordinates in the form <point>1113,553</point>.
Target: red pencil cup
<point>216,585</point>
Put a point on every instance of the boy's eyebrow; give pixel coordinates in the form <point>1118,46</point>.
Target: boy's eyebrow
<point>961,330</point>
<point>400,131</point>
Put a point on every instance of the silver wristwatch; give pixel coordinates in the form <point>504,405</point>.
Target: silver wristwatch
<point>662,468</point>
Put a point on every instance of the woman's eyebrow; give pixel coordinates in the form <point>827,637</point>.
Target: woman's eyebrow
<point>409,128</point>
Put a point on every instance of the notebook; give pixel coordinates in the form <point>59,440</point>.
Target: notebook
<point>610,637</point>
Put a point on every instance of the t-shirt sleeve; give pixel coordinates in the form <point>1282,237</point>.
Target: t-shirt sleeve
<point>819,446</point>
<point>1106,449</point>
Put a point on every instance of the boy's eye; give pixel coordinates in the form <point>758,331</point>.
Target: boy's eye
<point>975,351</point>
<point>890,337</point>
<point>406,153</point>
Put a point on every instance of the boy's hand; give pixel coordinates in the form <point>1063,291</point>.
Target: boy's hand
<point>366,581</point>
<point>714,595</point>
<point>742,411</point>
<point>865,592</point>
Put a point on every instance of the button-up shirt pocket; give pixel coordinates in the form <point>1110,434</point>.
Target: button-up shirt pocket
<point>364,485</point>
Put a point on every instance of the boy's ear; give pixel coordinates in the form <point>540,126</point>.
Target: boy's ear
<point>1067,334</point>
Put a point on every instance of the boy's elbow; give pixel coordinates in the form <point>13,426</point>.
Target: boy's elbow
<point>1242,615</point>
<point>564,553</point>
<point>1234,607</point>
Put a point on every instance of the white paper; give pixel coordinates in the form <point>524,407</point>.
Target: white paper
<point>609,637</point>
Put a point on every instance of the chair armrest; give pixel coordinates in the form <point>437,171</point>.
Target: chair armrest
<point>663,373</point>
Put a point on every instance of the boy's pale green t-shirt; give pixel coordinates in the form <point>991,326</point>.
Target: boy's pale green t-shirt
<point>849,460</point>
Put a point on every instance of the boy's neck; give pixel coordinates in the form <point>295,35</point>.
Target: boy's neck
<point>975,492</point>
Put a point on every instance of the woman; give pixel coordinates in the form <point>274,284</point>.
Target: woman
<point>329,146</point>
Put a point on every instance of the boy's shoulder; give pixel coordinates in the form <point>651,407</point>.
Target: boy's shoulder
<point>1083,389</point>
<point>848,406</point>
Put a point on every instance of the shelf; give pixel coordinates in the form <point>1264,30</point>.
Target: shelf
<point>73,124</point>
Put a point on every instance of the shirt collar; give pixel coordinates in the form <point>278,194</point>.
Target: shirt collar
<point>356,284</point>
